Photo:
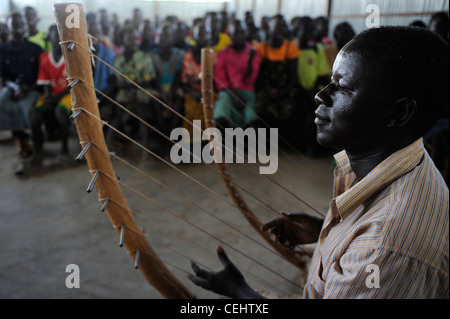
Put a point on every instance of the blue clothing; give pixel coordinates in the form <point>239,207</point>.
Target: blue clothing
<point>15,113</point>
<point>102,72</point>
<point>21,66</point>
<point>167,69</point>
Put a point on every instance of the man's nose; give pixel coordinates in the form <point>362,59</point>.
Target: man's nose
<point>322,97</point>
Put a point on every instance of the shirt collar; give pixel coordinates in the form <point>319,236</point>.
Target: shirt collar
<point>393,167</point>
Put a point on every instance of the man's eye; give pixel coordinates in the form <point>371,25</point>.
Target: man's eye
<point>342,88</point>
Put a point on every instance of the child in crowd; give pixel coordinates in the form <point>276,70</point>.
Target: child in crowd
<point>54,107</point>
<point>277,83</point>
<point>19,64</point>
<point>235,75</point>
<point>190,76</point>
<point>138,67</point>
<point>168,60</point>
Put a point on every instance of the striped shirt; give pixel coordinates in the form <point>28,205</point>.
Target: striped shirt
<point>393,223</point>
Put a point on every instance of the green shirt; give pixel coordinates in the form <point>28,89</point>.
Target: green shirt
<point>41,40</point>
<point>139,69</point>
<point>311,65</point>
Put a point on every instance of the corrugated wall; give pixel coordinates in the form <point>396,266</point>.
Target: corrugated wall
<point>392,12</point>
<point>353,11</point>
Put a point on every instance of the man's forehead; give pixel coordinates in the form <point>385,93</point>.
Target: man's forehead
<point>345,63</point>
<point>352,58</point>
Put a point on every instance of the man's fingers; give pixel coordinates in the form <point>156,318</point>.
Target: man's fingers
<point>200,272</point>
<point>200,282</point>
<point>293,217</point>
<point>223,257</point>
<point>274,223</point>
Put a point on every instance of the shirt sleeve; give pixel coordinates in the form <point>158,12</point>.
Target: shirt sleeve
<point>376,273</point>
<point>293,51</point>
<point>261,51</point>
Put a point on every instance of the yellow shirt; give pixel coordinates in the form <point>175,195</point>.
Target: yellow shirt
<point>224,41</point>
<point>40,39</point>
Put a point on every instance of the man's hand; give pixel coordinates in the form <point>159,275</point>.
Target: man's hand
<point>229,282</point>
<point>294,229</point>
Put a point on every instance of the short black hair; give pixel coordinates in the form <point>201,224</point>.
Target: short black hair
<point>415,64</point>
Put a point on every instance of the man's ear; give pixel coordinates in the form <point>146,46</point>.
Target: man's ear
<point>401,112</point>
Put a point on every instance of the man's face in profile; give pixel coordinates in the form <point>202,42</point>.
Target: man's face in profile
<point>352,110</point>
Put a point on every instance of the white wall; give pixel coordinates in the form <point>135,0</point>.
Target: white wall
<point>123,8</point>
<point>188,10</point>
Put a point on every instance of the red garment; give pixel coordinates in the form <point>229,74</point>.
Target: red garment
<point>190,71</point>
<point>231,68</point>
<point>52,72</point>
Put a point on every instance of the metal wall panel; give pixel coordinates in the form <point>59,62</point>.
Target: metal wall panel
<point>354,11</point>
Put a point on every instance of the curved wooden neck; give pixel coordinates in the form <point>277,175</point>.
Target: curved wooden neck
<point>78,66</point>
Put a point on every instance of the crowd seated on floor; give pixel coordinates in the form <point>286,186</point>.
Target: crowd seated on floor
<point>265,75</point>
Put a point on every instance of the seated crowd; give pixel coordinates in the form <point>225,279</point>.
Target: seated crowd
<point>265,75</point>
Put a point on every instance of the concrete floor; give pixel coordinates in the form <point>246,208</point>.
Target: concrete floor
<point>48,221</point>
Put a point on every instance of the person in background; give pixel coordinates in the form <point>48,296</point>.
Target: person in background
<point>19,64</point>
<point>264,29</point>
<point>439,24</point>
<point>105,23</point>
<point>168,61</point>
<point>5,37</point>
<point>252,29</point>
<point>235,74</point>
<point>190,76</point>
<point>314,74</point>
<point>277,83</point>
<point>137,22</point>
<point>418,23</point>
<point>5,34</point>
<point>139,67</point>
<point>34,34</point>
<point>148,37</point>
<point>219,40</point>
<point>103,75</point>
<point>320,35</point>
<point>117,45</point>
<point>320,30</point>
<point>181,34</point>
<point>342,34</point>
<point>54,107</point>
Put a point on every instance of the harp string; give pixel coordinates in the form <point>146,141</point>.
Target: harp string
<point>184,118</point>
<point>172,166</point>
<point>209,166</point>
<point>198,228</point>
<point>181,116</point>
<point>208,252</point>
<point>294,163</point>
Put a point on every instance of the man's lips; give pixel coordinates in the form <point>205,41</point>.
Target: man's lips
<point>320,119</point>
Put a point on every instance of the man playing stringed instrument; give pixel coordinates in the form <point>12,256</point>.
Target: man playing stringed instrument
<point>389,211</point>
